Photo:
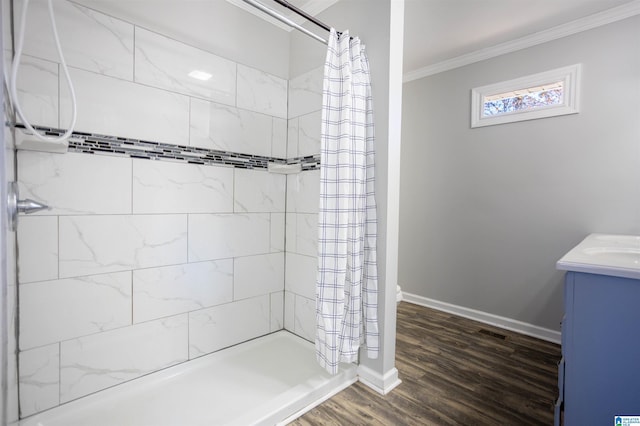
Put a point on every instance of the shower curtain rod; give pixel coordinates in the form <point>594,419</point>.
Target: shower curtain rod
<point>288,21</point>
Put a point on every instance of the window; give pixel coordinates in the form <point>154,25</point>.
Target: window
<point>546,94</point>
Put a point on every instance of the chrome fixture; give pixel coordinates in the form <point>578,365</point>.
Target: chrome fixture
<point>16,206</point>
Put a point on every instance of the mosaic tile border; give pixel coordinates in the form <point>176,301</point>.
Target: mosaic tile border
<point>98,144</point>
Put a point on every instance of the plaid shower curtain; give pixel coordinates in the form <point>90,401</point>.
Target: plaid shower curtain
<point>347,286</point>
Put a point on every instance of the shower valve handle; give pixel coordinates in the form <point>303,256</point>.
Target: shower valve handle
<point>29,206</point>
<point>16,206</point>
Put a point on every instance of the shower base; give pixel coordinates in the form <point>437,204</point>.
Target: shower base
<point>266,381</point>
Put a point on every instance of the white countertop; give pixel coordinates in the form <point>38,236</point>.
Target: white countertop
<point>605,254</point>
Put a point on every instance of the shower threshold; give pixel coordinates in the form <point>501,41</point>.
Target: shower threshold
<point>266,381</point>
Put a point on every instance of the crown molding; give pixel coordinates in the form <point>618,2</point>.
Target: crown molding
<point>573,27</point>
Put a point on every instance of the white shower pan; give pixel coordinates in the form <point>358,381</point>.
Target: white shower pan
<point>266,381</point>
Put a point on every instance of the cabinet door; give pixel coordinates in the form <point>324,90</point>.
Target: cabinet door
<point>602,361</point>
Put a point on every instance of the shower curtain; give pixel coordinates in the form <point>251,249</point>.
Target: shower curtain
<point>346,290</point>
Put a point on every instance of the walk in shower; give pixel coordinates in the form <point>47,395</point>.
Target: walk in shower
<point>175,270</point>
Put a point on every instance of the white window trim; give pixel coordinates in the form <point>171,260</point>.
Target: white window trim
<point>570,76</point>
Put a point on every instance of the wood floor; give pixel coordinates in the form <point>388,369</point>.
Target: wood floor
<point>454,371</point>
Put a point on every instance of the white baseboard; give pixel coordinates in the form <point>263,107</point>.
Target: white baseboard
<point>486,318</point>
<point>383,384</point>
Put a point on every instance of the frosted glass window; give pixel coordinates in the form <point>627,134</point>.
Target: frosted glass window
<point>523,99</point>
<point>535,96</point>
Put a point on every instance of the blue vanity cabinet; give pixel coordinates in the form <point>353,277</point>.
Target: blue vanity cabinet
<point>599,375</point>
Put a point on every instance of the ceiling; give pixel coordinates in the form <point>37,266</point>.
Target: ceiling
<point>435,30</point>
<point>438,30</point>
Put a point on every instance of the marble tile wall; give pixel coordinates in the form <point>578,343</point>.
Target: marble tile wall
<point>136,85</point>
<point>156,265</point>
<point>142,264</point>
<point>189,258</point>
<point>305,102</point>
<point>105,46</point>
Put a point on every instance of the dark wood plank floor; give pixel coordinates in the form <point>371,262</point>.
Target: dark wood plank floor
<point>454,371</point>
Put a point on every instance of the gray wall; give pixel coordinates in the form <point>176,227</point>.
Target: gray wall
<point>485,213</point>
